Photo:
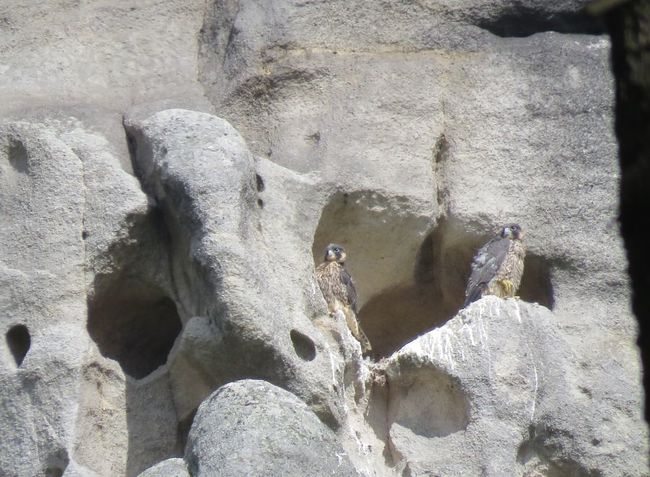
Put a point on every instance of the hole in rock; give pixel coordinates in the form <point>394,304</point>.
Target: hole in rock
<point>429,403</point>
<point>54,472</point>
<point>445,262</point>
<point>56,463</point>
<point>536,285</point>
<point>259,182</point>
<point>521,21</point>
<point>134,320</point>
<point>303,345</point>
<point>19,341</point>
<point>133,323</point>
<point>382,236</point>
<point>18,157</point>
<point>429,287</point>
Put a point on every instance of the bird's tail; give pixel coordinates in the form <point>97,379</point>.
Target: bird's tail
<point>476,293</point>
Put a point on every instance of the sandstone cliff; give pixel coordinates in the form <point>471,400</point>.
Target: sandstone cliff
<point>171,170</point>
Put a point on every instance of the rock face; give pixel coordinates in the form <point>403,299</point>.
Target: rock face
<point>499,379</point>
<point>254,428</point>
<point>151,255</point>
<point>203,180</point>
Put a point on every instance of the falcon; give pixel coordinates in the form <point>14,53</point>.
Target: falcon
<point>498,266</point>
<point>339,291</point>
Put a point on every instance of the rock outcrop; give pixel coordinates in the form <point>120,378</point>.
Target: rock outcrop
<point>254,428</point>
<point>157,259</point>
<point>500,380</point>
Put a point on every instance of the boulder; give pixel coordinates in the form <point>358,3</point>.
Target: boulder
<point>167,468</point>
<point>501,381</point>
<point>251,427</point>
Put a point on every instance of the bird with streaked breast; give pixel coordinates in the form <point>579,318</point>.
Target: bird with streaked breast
<point>498,266</point>
<point>339,291</point>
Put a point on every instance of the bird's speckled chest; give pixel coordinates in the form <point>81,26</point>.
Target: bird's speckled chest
<point>512,267</point>
<point>334,290</point>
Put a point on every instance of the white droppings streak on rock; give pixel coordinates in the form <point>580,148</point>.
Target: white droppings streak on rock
<point>468,331</point>
<point>482,332</point>
<point>332,363</point>
<point>447,349</point>
<point>517,311</point>
<point>532,411</point>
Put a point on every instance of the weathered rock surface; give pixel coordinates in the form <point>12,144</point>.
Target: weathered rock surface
<point>429,121</point>
<point>150,255</point>
<point>500,380</point>
<point>199,171</point>
<point>251,427</point>
<point>66,202</point>
<point>167,468</point>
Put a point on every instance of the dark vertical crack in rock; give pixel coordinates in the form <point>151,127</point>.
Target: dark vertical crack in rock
<point>629,27</point>
<point>440,156</point>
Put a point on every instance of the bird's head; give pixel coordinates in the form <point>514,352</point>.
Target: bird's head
<point>335,253</point>
<point>512,232</point>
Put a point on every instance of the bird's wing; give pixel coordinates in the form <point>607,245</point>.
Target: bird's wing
<point>485,265</point>
<point>350,289</point>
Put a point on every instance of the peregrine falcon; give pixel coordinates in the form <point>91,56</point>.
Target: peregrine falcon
<point>339,292</point>
<point>498,266</point>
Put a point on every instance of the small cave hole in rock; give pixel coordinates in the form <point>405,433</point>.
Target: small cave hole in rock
<point>133,323</point>
<point>522,21</point>
<point>436,292</point>
<point>18,157</point>
<point>303,345</point>
<point>54,472</point>
<point>429,403</point>
<point>382,236</point>
<point>19,341</point>
<point>259,182</point>
<point>409,279</point>
<point>56,463</point>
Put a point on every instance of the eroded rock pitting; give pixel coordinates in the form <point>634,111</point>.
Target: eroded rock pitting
<point>411,130</point>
